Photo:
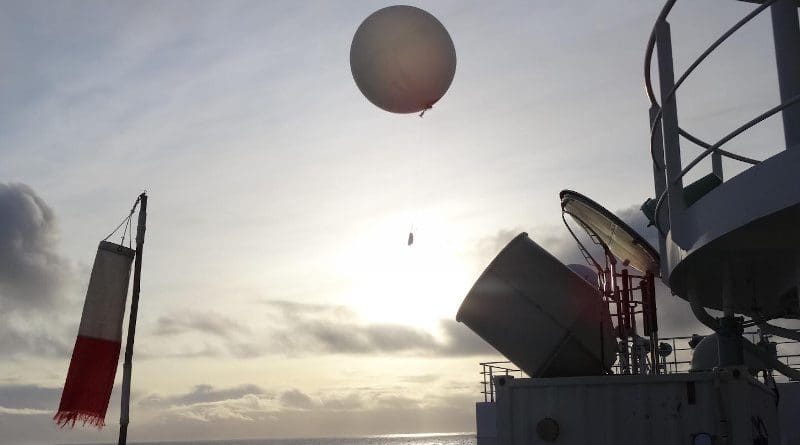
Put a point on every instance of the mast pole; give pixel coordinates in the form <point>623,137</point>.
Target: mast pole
<point>786,33</point>
<point>127,367</point>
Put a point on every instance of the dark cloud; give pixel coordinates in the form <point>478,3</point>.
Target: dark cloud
<point>297,329</point>
<point>17,338</point>
<point>425,378</point>
<point>332,336</point>
<point>32,273</point>
<point>397,402</point>
<point>489,246</point>
<point>461,341</point>
<point>348,402</point>
<point>34,278</point>
<point>196,334</point>
<point>30,397</point>
<point>317,328</point>
<point>209,323</point>
<point>204,394</point>
<point>296,399</point>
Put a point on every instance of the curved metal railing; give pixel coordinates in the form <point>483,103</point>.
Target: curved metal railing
<point>708,148</point>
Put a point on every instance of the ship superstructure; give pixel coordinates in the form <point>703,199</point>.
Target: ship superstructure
<point>586,361</point>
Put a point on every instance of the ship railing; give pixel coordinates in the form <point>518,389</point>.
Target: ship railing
<point>491,369</point>
<point>664,129</point>
<point>678,361</point>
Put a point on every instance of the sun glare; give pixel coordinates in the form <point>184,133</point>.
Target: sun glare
<point>393,282</point>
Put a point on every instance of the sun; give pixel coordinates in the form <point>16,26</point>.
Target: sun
<point>392,282</point>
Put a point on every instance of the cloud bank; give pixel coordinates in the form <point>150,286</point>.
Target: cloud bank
<point>32,273</point>
<point>299,329</point>
<point>243,411</point>
<point>34,276</point>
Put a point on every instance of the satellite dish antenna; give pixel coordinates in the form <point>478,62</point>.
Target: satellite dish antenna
<point>612,233</point>
<point>542,316</point>
<point>627,293</point>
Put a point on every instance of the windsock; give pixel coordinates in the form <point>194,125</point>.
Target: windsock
<point>90,378</point>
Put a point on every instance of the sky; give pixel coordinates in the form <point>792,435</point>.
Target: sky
<point>279,297</point>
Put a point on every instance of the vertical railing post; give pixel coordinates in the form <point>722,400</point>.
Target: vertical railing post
<point>491,384</point>
<point>485,388</point>
<point>786,33</point>
<point>716,164</point>
<point>660,184</point>
<point>653,317</point>
<point>669,111</point>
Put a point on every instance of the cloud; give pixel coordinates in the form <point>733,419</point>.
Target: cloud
<point>489,246</point>
<point>34,278</point>
<point>29,398</point>
<point>20,337</point>
<point>32,273</point>
<point>294,398</point>
<point>206,394</point>
<point>424,378</point>
<point>335,329</point>
<point>241,409</point>
<point>299,329</point>
<point>24,411</point>
<point>461,341</point>
<point>245,410</point>
<point>347,402</point>
<point>397,401</point>
<point>331,336</point>
<point>210,323</point>
<point>206,403</point>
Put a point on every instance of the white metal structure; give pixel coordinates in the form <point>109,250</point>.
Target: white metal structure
<point>655,410</point>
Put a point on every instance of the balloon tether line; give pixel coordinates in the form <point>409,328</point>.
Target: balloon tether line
<point>424,110</point>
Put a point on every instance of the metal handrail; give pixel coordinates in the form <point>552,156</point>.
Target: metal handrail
<point>693,139</point>
<point>709,148</point>
<point>750,124</point>
<point>649,87</point>
<point>676,363</point>
<point>488,372</point>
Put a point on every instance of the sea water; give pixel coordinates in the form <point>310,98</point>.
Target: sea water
<point>394,439</point>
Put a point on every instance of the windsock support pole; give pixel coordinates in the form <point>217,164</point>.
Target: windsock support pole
<point>127,367</point>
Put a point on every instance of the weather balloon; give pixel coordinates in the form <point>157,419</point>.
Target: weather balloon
<point>402,59</point>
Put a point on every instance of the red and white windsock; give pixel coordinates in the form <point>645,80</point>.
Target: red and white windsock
<point>94,360</point>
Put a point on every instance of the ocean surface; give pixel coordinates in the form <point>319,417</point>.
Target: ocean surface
<point>392,439</point>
